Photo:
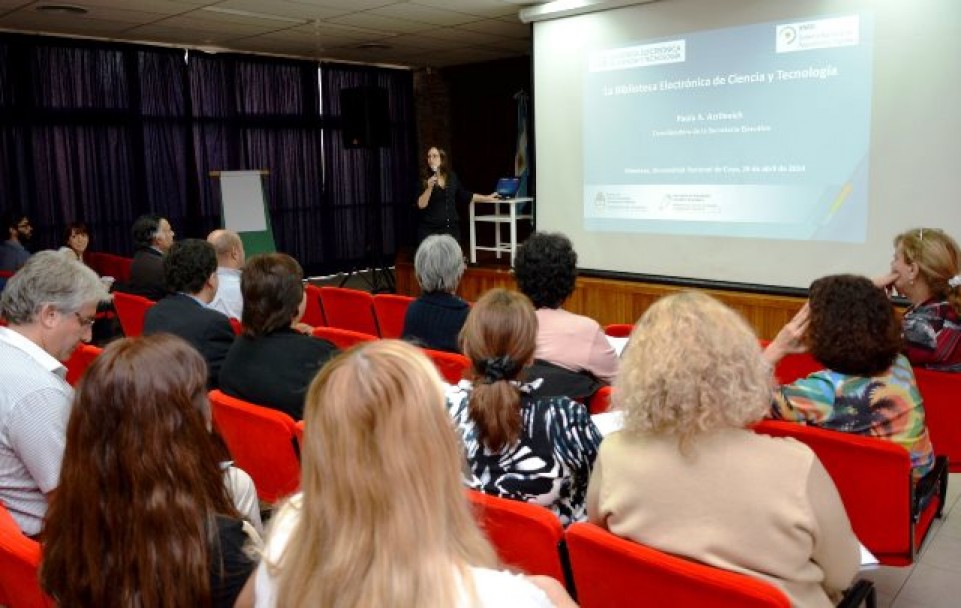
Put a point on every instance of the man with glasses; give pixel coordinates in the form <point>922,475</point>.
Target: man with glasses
<point>50,305</point>
<point>13,254</point>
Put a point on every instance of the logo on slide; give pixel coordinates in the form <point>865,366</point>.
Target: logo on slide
<point>600,201</point>
<point>787,35</point>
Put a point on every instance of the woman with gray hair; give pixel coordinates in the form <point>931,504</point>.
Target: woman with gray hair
<point>686,477</point>
<point>435,318</point>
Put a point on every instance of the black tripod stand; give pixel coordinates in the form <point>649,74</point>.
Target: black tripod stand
<point>379,275</point>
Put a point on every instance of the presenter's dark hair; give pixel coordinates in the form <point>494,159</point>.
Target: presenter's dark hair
<point>852,329</point>
<point>272,287</point>
<point>188,265</point>
<point>443,169</point>
<point>133,521</point>
<point>546,269</point>
<point>145,229</point>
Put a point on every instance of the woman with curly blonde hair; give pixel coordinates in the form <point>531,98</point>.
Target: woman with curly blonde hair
<point>686,477</point>
<point>382,518</point>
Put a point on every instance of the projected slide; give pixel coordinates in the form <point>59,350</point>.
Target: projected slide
<point>755,131</point>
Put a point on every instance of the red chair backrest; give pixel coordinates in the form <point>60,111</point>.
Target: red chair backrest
<point>261,442</point>
<point>314,312</point>
<point>235,325</point>
<point>792,367</point>
<point>349,309</point>
<point>612,571</point>
<point>299,433</point>
<point>390,311</point>
<point>342,338</point>
<point>601,400</point>
<point>873,477</point>
<point>942,408</point>
<point>6,274</point>
<point>452,366</point>
<point>19,563</point>
<point>131,310</point>
<point>619,330</point>
<point>526,536</point>
<point>79,360</point>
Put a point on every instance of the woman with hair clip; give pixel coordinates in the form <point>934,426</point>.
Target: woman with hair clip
<point>926,269</point>
<point>442,192</point>
<point>533,449</point>
<point>382,519</point>
<point>142,516</point>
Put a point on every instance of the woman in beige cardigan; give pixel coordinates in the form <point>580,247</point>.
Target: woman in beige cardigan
<point>686,477</point>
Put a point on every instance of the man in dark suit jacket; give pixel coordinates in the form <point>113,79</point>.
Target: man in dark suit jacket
<point>190,271</point>
<point>153,237</point>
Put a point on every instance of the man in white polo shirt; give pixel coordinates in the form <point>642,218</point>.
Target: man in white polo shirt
<point>50,305</point>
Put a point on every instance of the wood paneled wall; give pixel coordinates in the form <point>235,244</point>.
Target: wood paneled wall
<point>621,301</point>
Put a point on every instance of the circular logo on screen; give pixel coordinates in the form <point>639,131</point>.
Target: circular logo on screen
<point>788,35</point>
<point>600,201</point>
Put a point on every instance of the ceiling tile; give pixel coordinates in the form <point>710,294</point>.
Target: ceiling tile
<point>500,28</point>
<point>480,8</point>
<point>377,22</point>
<point>424,14</point>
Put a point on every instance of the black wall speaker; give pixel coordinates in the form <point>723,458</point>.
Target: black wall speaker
<point>366,118</point>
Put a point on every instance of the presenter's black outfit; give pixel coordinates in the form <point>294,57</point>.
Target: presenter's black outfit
<point>440,214</point>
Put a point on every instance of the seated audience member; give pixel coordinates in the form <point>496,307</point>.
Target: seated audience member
<point>230,261</point>
<point>382,519</point>
<point>868,387</point>
<point>50,305</point>
<point>190,272</point>
<point>685,476</point>
<point>534,449</point>
<point>13,254</point>
<point>926,269</point>
<point>272,364</point>
<point>153,237</point>
<point>142,516</point>
<point>435,318</point>
<point>76,238</point>
<point>546,270</point>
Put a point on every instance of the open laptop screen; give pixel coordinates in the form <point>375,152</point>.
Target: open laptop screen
<point>507,187</point>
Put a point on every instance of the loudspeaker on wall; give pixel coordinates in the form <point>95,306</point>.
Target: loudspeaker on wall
<point>366,118</point>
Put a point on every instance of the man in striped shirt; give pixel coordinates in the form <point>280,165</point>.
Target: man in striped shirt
<point>50,305</point>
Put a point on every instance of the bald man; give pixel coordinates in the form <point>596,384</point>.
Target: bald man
<point>230,261</point>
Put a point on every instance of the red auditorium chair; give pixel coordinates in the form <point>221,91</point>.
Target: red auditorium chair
<point>349,309</point>
<point>262,442</point>
<point>873,477</point>
<point>390,310</point>
<point>612,571</point>
<point>314,312</point>
<point>795,366</point>
<point>452,366</point>
<point>942,408</point>
<point>526,536</point>
<point>131,310</point>
<point>619,330</point>
<point>19,563</point>
<point>236,326</point>
<point>342,338</point>
<point>601,400</point>
<point>299,433</point>
<point>80,360</point>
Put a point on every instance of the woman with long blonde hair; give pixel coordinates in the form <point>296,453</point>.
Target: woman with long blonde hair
<point>382,519</point>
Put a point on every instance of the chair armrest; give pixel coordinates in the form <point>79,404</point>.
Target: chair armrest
<point>857,594</point>
<point>936,481</point>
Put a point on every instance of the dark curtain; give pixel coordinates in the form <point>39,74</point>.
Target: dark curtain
<point>104,132</point>
<point>375,190</point>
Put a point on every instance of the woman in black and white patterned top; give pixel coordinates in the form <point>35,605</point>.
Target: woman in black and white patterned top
<point>534,449</point>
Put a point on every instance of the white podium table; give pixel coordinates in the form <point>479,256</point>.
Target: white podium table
<point>498,218</point>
